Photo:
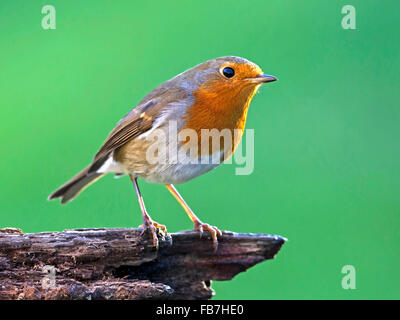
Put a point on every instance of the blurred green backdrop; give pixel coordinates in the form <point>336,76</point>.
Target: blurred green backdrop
<point>326,135</point>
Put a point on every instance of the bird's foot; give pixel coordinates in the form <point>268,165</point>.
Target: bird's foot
<point>214,231</point>
<point>152,226</point>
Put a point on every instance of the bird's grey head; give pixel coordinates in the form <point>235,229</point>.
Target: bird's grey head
<point>223,73</point>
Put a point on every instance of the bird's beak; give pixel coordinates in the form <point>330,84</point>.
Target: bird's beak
<point>264,78</point>
<point>261,78</point>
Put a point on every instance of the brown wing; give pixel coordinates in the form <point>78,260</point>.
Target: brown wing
<point>132,125</point>
<point>136,122</point>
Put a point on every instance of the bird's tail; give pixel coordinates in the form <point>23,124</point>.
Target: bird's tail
<point>73,187</point>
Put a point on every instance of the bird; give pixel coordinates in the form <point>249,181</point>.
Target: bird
<point>213,95</point>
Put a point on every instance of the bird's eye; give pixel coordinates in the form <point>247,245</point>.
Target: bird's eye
<point>228,72</point>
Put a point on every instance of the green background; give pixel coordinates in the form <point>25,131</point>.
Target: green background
<point>326,134</point>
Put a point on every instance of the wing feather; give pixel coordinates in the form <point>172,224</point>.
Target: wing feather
<point>136,122</point>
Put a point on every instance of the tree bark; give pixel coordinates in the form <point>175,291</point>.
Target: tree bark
<point>124,263</point>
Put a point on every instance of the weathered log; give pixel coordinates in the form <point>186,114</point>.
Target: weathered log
<point>123,263</point>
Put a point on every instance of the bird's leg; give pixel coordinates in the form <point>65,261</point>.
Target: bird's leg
<point>148,223</point>
<point>198,225</point>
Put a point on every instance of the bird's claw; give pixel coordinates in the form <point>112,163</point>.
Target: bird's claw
<point>152,226</point>
<point>214,231</point>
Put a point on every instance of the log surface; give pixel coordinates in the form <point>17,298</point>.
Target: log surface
<point>123,263</point>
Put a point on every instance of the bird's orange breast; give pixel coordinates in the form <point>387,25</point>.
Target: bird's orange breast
<point>223,107</point>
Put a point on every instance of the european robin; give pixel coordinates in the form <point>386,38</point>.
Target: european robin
<point>215,94</point>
